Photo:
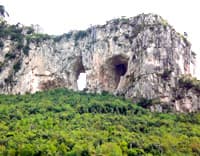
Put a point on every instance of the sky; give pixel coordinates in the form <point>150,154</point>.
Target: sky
<point>61,16</point>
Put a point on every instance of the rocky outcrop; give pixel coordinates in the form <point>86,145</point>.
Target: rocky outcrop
<point>139,57</point>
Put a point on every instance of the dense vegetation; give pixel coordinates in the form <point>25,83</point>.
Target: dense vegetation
<point>190,82</point>
<point>62,122</point>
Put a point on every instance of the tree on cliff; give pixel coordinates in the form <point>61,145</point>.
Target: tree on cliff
<point>3,12</point>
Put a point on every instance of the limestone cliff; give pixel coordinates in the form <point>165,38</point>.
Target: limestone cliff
<point>140,58</point>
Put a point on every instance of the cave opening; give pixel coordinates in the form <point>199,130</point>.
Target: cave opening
<point>80,75</point>
<point>117,68</point>
<point>81,81</point>
<point>121,69</point>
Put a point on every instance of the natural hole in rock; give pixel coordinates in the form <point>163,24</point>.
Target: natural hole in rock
<point>121,69</point>
<point>81,81</point>
<point>80,75</point>
<point>118,68</point>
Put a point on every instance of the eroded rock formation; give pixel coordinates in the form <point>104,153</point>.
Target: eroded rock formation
<point>139,57</point>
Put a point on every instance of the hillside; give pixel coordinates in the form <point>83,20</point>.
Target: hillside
<point>63,122</point>
<point>141,57</point>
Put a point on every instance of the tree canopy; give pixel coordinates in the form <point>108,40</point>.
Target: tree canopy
<point>3,12</point>
<point>63,122</point>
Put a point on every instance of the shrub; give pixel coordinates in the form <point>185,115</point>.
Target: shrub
<point>155,149</point>
<point>193,54</point>
<point>14,33</point>
<point>164,22</point>
<point>30,30</point>
<point>124,20</point>
<point>110,149</point>
<point>145,103</point>
<point>57,38</point>
<point>17,66</point>
<point>116,21</point>
<point>135,152</point>
<point>166,74</point>
<point>66,36</point>
<point>37,37</point>
<point>9,79</point>
<point>80,35</point>
<point>26,50</point>
<point>19,45</point>
<point>1,66</point>
<point>189,82</point>
<point>10,55</point>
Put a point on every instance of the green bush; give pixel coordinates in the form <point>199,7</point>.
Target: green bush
<point>145,103</point>
<point>1,66</point>
<point>17,66</point>
<point>189,82</point>
<point>10,55</point>
<point>135,152</point>
<point>66,36</point>
<point>20,45</point>
<point>124,20</point>
<point>26,50</point>
<point>30,30</point>
<point>110,149</point>
<point>37,38</point>
<point>9,79</point>
<point>80,35</point>
<point>166,74</point>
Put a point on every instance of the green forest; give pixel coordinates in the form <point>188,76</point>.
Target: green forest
<point>62,122</point>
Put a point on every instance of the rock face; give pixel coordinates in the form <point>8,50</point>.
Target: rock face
<point>140,58</point>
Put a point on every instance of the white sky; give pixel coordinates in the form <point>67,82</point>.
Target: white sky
<point>60,16</point>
